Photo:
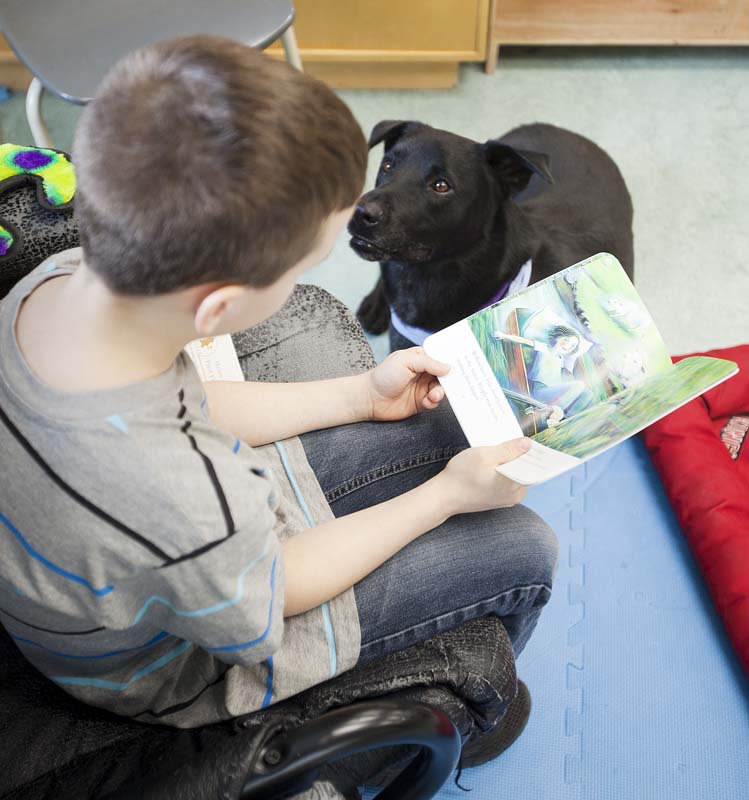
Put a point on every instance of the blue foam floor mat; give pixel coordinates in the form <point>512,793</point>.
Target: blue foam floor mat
<point>636,691</point>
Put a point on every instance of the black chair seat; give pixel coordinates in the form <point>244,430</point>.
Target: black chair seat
<point>57,747</point>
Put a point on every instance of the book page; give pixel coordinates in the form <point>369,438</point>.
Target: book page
<point>473,391</point>
<point>539,464</point>
<point>569,342</point>
<point>612,377</point>
<point>215,358</point>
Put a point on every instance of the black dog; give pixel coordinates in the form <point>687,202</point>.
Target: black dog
<point>453,221</point>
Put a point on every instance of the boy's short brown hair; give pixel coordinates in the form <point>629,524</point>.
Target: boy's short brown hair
<point>201,160</point>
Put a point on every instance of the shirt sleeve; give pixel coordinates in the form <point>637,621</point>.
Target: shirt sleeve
<point>227,600</point>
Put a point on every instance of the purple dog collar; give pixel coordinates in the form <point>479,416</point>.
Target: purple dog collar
<point>418,335</point>
<point>497,297</point>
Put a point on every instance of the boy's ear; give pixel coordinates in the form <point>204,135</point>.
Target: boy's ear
<point>390,130</point>
<point>514,168</point>
<point>212,309</point>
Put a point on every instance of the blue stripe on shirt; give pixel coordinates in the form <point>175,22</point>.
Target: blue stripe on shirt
<point>202,612</point>
<point>327,624</point>
<point>71,576</point>
<point>99,683</point>
<point>159,637</point>
<point>252,642</point>
<point>118,422</point>
<point>10,587</point>
<point>294,485</point>
<point>268,685</point>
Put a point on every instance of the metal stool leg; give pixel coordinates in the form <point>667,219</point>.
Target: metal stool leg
<point>39,130</point>
<point>288,40</point>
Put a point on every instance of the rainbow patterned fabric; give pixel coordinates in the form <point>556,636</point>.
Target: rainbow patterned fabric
<point>51,170</point>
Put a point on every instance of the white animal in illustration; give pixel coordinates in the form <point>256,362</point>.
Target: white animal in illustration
<point>626,313</point>
<point>630,368</point>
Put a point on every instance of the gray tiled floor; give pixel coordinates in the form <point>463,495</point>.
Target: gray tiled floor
<point>675,120</point>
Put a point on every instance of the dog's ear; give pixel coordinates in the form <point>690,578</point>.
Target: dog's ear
<point>389,130</point>
<point>514,168</point>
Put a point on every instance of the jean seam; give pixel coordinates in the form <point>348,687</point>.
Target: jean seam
<point>493,599</point>
<point>388,470</point>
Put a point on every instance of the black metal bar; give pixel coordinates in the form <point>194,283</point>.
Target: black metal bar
<point>297,753</point>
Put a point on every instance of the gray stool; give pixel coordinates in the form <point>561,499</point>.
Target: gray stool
<point>69,45</point>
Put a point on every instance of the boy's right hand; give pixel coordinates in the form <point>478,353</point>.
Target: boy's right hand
<point>470,481</point>
<point>326,560</point>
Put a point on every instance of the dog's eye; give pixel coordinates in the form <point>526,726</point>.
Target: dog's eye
<point>387,166</point>
<point>441,186</point>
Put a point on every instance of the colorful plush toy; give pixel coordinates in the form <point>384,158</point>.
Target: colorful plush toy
<point>701,452</point>
<point>37,187</point>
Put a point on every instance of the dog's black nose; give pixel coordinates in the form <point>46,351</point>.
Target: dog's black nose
<point>369,212</point>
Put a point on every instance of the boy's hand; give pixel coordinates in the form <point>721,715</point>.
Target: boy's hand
<point>470,481</point>
<point>404,384</point>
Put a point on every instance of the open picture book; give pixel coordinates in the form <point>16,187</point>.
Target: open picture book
<point>574,362</point>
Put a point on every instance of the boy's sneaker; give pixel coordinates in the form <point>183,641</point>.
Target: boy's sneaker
<point>489,745</point>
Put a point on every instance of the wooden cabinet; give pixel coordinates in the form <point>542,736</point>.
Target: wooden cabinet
<point>12,73</point>
<point>390,43</point>
<point>623,22</point>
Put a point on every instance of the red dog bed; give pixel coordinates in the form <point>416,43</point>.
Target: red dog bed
<point>701,452</point>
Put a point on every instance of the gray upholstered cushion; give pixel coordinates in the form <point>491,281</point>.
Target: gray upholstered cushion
<point>314,336</point>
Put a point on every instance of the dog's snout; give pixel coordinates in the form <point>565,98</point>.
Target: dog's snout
<point>369,212</point>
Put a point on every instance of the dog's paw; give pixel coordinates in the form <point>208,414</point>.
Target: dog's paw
<point>374,312</point>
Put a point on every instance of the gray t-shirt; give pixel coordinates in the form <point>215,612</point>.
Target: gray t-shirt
<point>141,564</point>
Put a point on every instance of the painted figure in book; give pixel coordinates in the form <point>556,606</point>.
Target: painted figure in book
<point>551,375</point>
<point>569,343</point>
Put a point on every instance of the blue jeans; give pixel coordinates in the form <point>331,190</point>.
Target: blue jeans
<point>496,562</point>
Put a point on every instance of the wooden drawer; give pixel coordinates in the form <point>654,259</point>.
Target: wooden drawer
<point>645,22</point>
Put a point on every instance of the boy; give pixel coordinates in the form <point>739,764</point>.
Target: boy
<point>159,561</point>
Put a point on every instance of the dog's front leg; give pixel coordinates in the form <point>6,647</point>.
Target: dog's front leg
<point>374,311</point>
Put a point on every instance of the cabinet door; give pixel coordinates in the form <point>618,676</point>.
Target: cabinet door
<point>438,29</point>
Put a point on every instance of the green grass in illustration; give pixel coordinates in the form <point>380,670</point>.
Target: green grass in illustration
<point>482,326</point>
<point>629,411</point>
<point>598,281</point>
<point>619,324</point>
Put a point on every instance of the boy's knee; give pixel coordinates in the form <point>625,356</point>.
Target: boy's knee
<point>541,545</point>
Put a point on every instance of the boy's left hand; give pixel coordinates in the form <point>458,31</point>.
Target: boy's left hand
<point>404,384</point>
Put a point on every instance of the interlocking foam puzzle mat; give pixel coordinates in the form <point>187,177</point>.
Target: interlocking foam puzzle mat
<point>636,692</point>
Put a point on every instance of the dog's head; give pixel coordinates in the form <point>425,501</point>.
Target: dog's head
<point>436,193</point>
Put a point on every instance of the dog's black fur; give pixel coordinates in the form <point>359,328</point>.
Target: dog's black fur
<point>451,220</point>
